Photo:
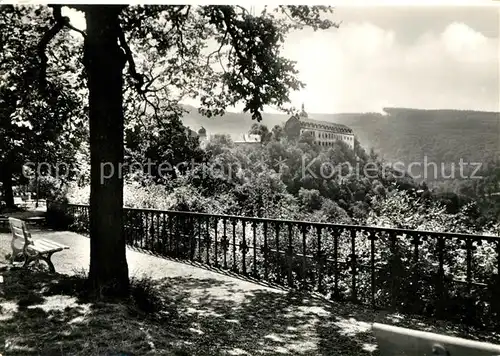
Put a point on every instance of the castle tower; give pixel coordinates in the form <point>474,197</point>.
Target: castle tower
<point>303,113</point>
<point>202,134</point>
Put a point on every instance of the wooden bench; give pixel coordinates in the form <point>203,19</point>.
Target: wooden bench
<point>32,250</point>
<point>397,341</point>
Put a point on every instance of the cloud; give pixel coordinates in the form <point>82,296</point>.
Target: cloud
<point>360,67</point>
<point>468,45</point>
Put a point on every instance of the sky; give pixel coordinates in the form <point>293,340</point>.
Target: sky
<point>426,57</point>
<point>420,57</point>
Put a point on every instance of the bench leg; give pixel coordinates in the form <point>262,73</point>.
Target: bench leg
<point>28,260</point>
<point>45,258</point>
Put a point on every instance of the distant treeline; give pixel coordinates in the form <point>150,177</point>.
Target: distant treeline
<point>442,138</point>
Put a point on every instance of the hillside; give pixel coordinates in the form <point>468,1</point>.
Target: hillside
<point>401,134</point>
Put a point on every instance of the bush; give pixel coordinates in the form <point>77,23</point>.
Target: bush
<point>145,295</point>
<point>57,216</point>
<point>78,194</point>
<point>48,187</point>
<point>335,214</point>
<point>310,199</point>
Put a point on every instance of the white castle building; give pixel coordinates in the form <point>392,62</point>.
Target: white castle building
<point>325,133</point>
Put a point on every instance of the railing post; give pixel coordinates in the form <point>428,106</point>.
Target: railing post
<point>372,238</point>
<point>254,242</point>
<point>225,241</point>
<point>278,257</point>
<point>216,251</point>
<point>471,309</point>
<point>144,228</point>
<point>198,239</point>
<point>393,281</point>
<point>354,293</point>
<point>468,272</point>
<point>289,256</point>
<point>496,284</point>
<point>162,227</point>
<point>265,251</point>
<point>440,286</point>
<point>156,230</point>
<point>208,241</point>
<point>171,244</point>
<point>244,248</point>
<point>415,277</point>
<point>319,260</point>
<point>177,233</point>
<point>147,231</point>
<point>235,263</point>
<point>336,291</point>
<point>304,258</point>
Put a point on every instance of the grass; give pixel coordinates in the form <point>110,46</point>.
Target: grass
<point>42,314</point>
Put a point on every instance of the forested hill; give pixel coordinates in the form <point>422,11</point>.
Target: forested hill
<point>399,134</point>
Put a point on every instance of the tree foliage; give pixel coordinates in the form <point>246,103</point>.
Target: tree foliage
<point>161,150</point>
<point>37,127</point>
<point>263,132</point>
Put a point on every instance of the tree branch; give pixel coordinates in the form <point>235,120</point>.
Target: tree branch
<point>71,27</point>
<point>61,22</point>
<point>47,37</point>
<point>131,64</point>
<point>222,43</point>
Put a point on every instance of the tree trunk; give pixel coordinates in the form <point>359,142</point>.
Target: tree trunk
<point>8,194</point>
<point>104,61</point>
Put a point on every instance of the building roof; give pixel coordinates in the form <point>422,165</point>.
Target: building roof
<point>326,125</point>
<point>332,126</point>
<point>191,132</point>
<point>247,138</point>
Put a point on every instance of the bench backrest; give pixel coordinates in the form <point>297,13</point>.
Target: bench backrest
<point>21,236</point>
<point>397,341</point>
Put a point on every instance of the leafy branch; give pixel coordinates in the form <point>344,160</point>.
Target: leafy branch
<point>60,23</point>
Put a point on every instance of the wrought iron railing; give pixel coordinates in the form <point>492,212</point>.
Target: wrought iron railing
<point>449,275</point>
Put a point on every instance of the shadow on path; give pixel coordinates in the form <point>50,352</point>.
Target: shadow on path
<point>42,314</point>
